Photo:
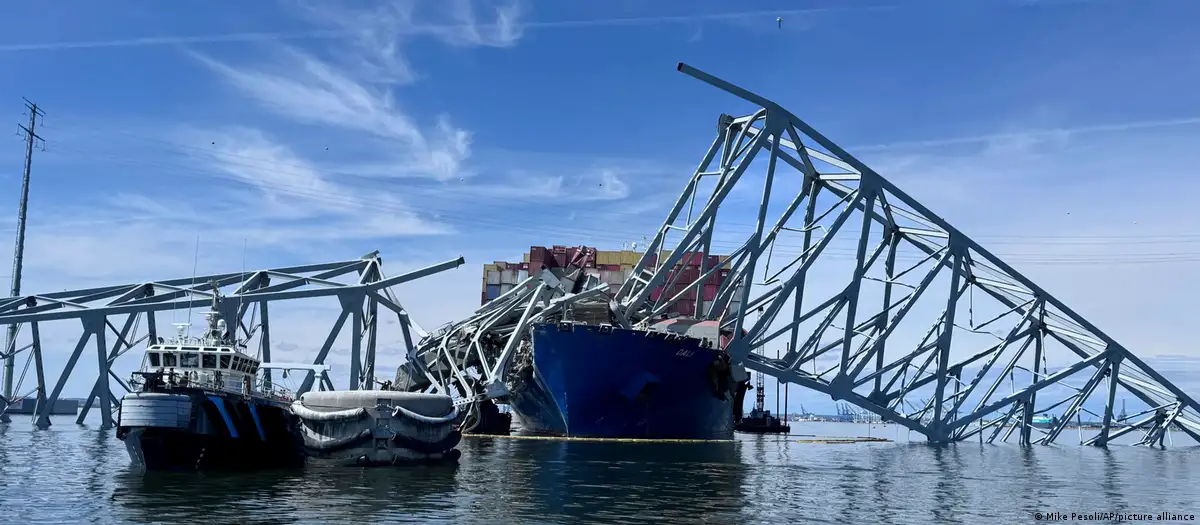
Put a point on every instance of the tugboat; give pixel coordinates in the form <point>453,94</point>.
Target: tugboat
<point>760,420</point>
<point>199,406</point>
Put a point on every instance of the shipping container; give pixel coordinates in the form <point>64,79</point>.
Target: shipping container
<point>522,275</point>
<point>493,277</point>
<point>508,277</point>
<point>505,288</point>
<point>710,292</point>
<point>685,307</point>
<point>492,292</point>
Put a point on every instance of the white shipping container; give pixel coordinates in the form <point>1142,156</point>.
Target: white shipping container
<point>505,288</point>
<point>522,275</point>
<point>508,277</point>
<point>592,271</point>
<point>493,277</point>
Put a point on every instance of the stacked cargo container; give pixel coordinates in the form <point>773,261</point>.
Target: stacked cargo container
<point>612,267</point>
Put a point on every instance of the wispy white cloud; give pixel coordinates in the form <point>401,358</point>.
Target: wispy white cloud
<point>1030,135</point>
<point>460,25</point>
<point>355,91</point>
<point>382,29</point>
<point>312,91</point>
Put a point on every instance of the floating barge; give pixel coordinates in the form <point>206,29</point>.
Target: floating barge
<point>371,427</point>
<point>760,420</point>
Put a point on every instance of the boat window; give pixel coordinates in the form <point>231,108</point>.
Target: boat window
<point>169,359</point>
<point>224,349</point>
<point>253,369</point>
<point>225,362</point>
<point>189,360</point>
<point>154,359</point>
<point>237,363</point>
<point>209,360</point>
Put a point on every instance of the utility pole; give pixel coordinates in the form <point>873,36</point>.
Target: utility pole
<point>10,343</point>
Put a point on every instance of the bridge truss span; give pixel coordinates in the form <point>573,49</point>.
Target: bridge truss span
<point>882,303</point>
<point>111,318</point>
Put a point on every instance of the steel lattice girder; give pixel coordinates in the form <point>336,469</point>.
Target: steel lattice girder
<point>455,360</point>
<point>924,388</point>
<point>251,294</point>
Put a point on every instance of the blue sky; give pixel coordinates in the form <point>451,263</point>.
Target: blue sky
<point>1052,131</point>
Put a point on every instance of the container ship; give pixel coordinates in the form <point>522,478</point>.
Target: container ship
<point>582,376</point>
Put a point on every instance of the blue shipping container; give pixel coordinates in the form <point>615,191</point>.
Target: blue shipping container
<point>493,291</point>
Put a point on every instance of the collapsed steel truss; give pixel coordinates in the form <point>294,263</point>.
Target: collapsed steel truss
<point>472,360</point>
<point>100,310</point>
<point>934,389</point>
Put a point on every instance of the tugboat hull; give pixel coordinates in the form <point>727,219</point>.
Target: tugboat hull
<point>191,429</point>
<point>159,449</point>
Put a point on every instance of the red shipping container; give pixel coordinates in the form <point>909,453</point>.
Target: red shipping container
<point>537,254</point>
<point>685,307</point>
<point>710,292</point>
<point>655,294</point>
<point>535,267</point>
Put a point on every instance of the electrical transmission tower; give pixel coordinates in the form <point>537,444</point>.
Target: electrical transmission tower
<point>10,341</point>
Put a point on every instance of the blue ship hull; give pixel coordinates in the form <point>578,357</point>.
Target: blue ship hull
<point>615,383</point>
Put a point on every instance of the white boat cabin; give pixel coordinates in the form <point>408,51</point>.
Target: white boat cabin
<point>219,366</point>
<point>211,361</point>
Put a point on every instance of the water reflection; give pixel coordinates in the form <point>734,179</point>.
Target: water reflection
<point>611,482</point>
<point>73,474</point>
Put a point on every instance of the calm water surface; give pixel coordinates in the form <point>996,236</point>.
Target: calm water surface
<point>76,474</point>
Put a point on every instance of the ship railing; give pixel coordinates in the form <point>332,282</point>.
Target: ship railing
<point>261,387</point>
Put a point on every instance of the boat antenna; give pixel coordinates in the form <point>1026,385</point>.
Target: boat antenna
<point>195,263</point>
<point>241,291</point>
